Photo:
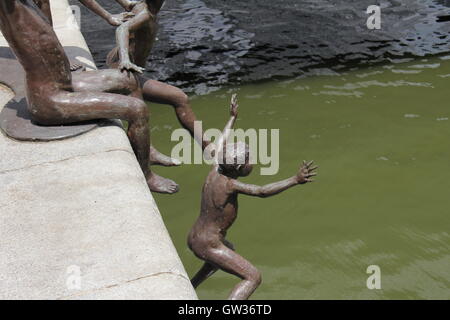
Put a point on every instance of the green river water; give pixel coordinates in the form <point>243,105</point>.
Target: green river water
<point>382,139</point>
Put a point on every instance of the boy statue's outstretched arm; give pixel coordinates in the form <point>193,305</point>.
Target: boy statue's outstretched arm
<point>123,40</point>
<point>114,20</point>
<point>304,175</point>
<point>227,130</point>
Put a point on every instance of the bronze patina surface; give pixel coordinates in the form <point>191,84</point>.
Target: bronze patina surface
<point>56,96</point>
<point>219,209</point>
<point>15,120</point>
<point>135,39</point>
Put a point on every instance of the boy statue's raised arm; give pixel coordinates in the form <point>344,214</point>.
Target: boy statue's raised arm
<point>226,131</point>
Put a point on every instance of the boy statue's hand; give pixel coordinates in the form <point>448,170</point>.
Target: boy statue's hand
<point>117,19</point>
<point>306,172</point>
<point>234,106</point>
<point>129,66</point>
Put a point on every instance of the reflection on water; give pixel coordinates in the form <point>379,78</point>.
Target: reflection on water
<point>444,2</point>
<point>205,44</point>
<point>191,24</point>
<point>381,138</point>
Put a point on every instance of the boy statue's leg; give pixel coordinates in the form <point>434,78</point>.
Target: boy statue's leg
<point>93,99</point>
<point>224,257</point>
<point>206,271</point>
<point>231,262</point>
<point>157,158</point>
<point>158,92</point>
<point>113,80</point>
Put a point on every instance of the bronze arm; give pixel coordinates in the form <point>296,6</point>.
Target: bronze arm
<point>304,175</point>
<point>264,191</point>
<point>227,130</point>
<point>114,20</point>
<point>123,40</point>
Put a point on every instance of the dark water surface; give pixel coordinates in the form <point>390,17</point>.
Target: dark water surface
<point>204,44</point>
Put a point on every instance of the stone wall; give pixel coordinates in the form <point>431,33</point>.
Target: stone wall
<point>77,220</point>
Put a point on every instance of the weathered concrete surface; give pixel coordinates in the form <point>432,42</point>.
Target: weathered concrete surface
<point>81,203</point>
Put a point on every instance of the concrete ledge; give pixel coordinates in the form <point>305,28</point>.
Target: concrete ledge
<point>82,203</point>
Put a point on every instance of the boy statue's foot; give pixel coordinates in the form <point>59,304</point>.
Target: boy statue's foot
<point>161,185</point>
<point>157,158</point>
<point>76,67</point>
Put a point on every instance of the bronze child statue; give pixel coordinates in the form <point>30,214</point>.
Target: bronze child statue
<point>146,37</point>
<point>219,210</point>
<point>112,19</point>
<point>55,96</point>
<point>135,40</point>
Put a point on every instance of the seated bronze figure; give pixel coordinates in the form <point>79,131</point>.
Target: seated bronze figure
<point>135,40</point>
<point>55,96</point>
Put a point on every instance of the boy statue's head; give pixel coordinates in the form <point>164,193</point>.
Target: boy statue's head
<point>234,160</point>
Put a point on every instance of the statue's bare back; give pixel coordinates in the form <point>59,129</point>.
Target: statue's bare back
<point>35,44</point>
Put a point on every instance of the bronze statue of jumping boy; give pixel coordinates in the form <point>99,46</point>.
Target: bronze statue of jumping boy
<point>56,97</point>
<point>135,39</point>
<point>219,210</point>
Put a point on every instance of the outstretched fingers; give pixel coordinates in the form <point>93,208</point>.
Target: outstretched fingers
<point>308,165</point>
<point>234,99</point>
<point>310,175</point>
<point>308,171</point>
